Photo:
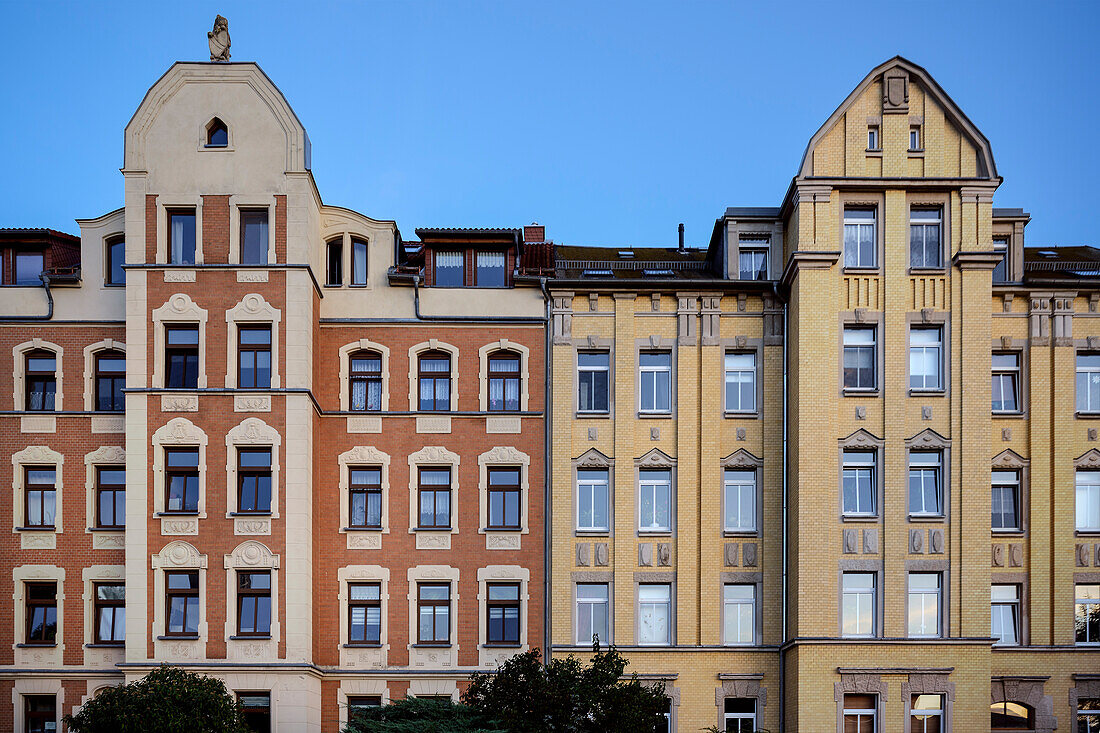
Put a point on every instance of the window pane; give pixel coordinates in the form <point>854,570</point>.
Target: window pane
<point>449,268</point>
<point>253,237</point>
<point>28,267</point>
<point>491,272</point>
<point>358,262</point>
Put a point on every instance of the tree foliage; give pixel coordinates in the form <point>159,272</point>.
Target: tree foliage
<point>419,715</point>
<point>167,700</point>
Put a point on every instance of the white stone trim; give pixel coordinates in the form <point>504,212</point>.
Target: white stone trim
<point>524,371</point>
<point>500,456</point>
<point>36,455</point>
<point>364,455</point>
<point>364,657</point>
<point>178,201</point>
<point>45,656</point>
<point>251,555</point>
<point>19,375</point>
<point>432,455</point>
<point>90,352</point>
<point>493,656</point>
<point>414,366</point>
<point>423,688</point>
<point>252,432</point>
<point>253,202</point>
<point>177,555</point>
<point>355,687</point>
<point>103,456</point>
<point>179,308</point>
<point>179,432</point>
<point>252,309</point>
<point>36,686</point>
<point>432,657</point>
<point>345,371</point>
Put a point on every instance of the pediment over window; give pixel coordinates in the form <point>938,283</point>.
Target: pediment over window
<point>656,459</point>
<point>1011,460</point>
<point>179,554</point>
<point>928,438</point>
<point>252,554</point>
<point>592,458</point>
<point>1091,459</point>
<point>742,459</point>
<point>861,439</point>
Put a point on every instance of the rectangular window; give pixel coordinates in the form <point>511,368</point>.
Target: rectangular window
<point>1000,272</point>
<point>859,238</point>
<point>110,380</point>
<point>357,704</point>
<point>593,377</point>
<point>1005,614</point>
<point>926,483</point>
<point>110,488</point>
<point>435,382</point>
<point>655,375</point>
<point>28,268</point>
<point>738,614</point>
<point>1088,382</point>
<point>654,614</point>
<point>504,496</point>
<point>334,262</point>
<point>41,608</point>
<point>116,258</point>
<point>41,381</point>
<point>914,144</point>
<point>1087,614</point>
<point>655,501</point>
<point>872,137</point>
<point>739,715</point>
<point>741,382</point>
<point>502,613</point>
<point>592,614</point>
<point>434,613</point>
<point>41,496</point>
<point>740,501</point>
<point>1088,501</point>
<point>504,377</point>
<point>181,236</point>
<point>255,710</point>
<point>254,603</point>
<point>40,713</point>
<point>753,259</point>
<point>1006,501</point>
<point>1006,382</point>
<point>365,613</point>
<point>358,262</point>
<point>254,357</point>
<point>860,714</point>
<point>365,381</point>
<point>1088,714</point>
<point>592,500</point>
<point>254,481</point>
<point>924,604</point>
<point>110,613</point>
<point>181,478</point>
<point>435,498</point>
<point>181,356</point>
<point>365,490</point>
<point>925,244</point>
<point>182,600</point>
<point>450,269</point>
<point>858,604</point>
<point>253,236</point>
<point>492,271</point>
<point>859,358</point>
<point>926,714</point>
<point>858,477</point>
<point>926,359</point>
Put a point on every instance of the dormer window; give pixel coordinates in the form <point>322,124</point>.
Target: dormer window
<point>217,134</point>
<point>450,267</point>
<point>492,270</point>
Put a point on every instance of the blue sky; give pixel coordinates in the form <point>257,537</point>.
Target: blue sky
<point>608,122</point>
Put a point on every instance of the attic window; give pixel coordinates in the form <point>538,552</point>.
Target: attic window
<point>217,134</point>
<point>872,137</point>
<point>914,138</point>
<point>626,254</point>
<point>596,273</point>
<point>657,273</point>
<point>1047,253</point>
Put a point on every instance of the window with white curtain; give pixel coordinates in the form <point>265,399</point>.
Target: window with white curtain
<point>654,614</point>
<point>504,376</point>
<point>740,501</point>
<point>738,613</point>
<point>491,270</point>
<point>450,269</point>
<point>740,382</point>
<point>655,501</point>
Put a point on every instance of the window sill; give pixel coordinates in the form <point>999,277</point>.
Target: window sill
<point>108,412</point>
<point>497,530</point>
<point>592,532</point>
<point>333,285</point>
<point>873,152</point>
<point>501,645</point>
<point>915,153</point>
<point>178,514</point>
<point>654,532</point>
<point>106,645</point>
<point>250,514</point>
<point>251,637</point>
<point>362,529</point>
<point>857,270</point>
<point>1006,413</point>
<point>1086,532</point>
<point>1086,415</point>
<point>927,518</point>
<point>363,645</point>
<point>859,518</point>
<point>179,637</point>
<point>441,530</point>
<point>37,645</point>
<point>358,285</point>
<point>858,392</point>
<point>651,415</point>
<point>36,529</point>
<point>941,270</point>
<point>740,533</point>
<point>939,392</point>
<point>117,530</point>
<point>743,414</point>
<point>429,645</point>
<point>607,415</point>
<point>1008,532</point>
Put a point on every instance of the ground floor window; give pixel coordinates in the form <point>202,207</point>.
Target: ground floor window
<point>359,703</point>
<point>1088,715</point>
<point>40,713</point>
<point>256,710</point>
<point>926,714</point>
<point>739,714</point>
<point>860,714</point>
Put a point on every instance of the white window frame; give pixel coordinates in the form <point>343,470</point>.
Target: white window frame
<point>735,606</point>
<point>873,712</point>
<point>589,485</point>
<point>657,606</point>
<point>1015,374</point>
<point>746,520</point>
<point>1087,501</point>
<point>860,223</point>
<point>1080,600</point>
<point>1086,714</point>
<point>1012,605</point>
<point>872,138</point>
<point>861,595</point>
<point>873,346</point>
<point>926,462</point>
<point>753,246</point>
<point>738,375</point>
<point>914,138</point>
<point>1009,478</point>
<point>925,224</point>
<point>933,712</point>
<point>925,349</point>
<point>849,461</point>
<point>655,373</point>
<point>653,480</point>
<point>922,594</point>
<point>589,605</point>
<point>727,717</point>
<point>1090,373</point>
<point>605,369</point>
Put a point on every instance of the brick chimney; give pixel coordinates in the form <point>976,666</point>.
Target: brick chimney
<point>534,232</point>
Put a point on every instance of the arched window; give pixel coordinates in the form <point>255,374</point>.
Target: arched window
<point>365,381</point>
<point>435,381</point>
<point>334,256</point>
<point>1010,716</point>
<point>110,379</point>
<point>41,385</point>
<point>504,381</point>
<point>217,134</point>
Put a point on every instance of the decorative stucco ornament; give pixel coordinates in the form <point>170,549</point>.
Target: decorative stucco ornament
<point>219,40</point>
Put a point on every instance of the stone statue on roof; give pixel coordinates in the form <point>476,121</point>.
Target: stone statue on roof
<point>219,40</point>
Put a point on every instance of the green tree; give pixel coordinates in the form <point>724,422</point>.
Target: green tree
<point>167,700</point>
<point>417,715</point>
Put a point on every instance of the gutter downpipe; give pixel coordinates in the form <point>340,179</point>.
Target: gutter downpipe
<point>49,305</point>
<point>464,319</point>
<point>547,495</point>
<point>782,649</point>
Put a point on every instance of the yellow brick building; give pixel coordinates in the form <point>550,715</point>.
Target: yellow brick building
<point>840,470</point>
